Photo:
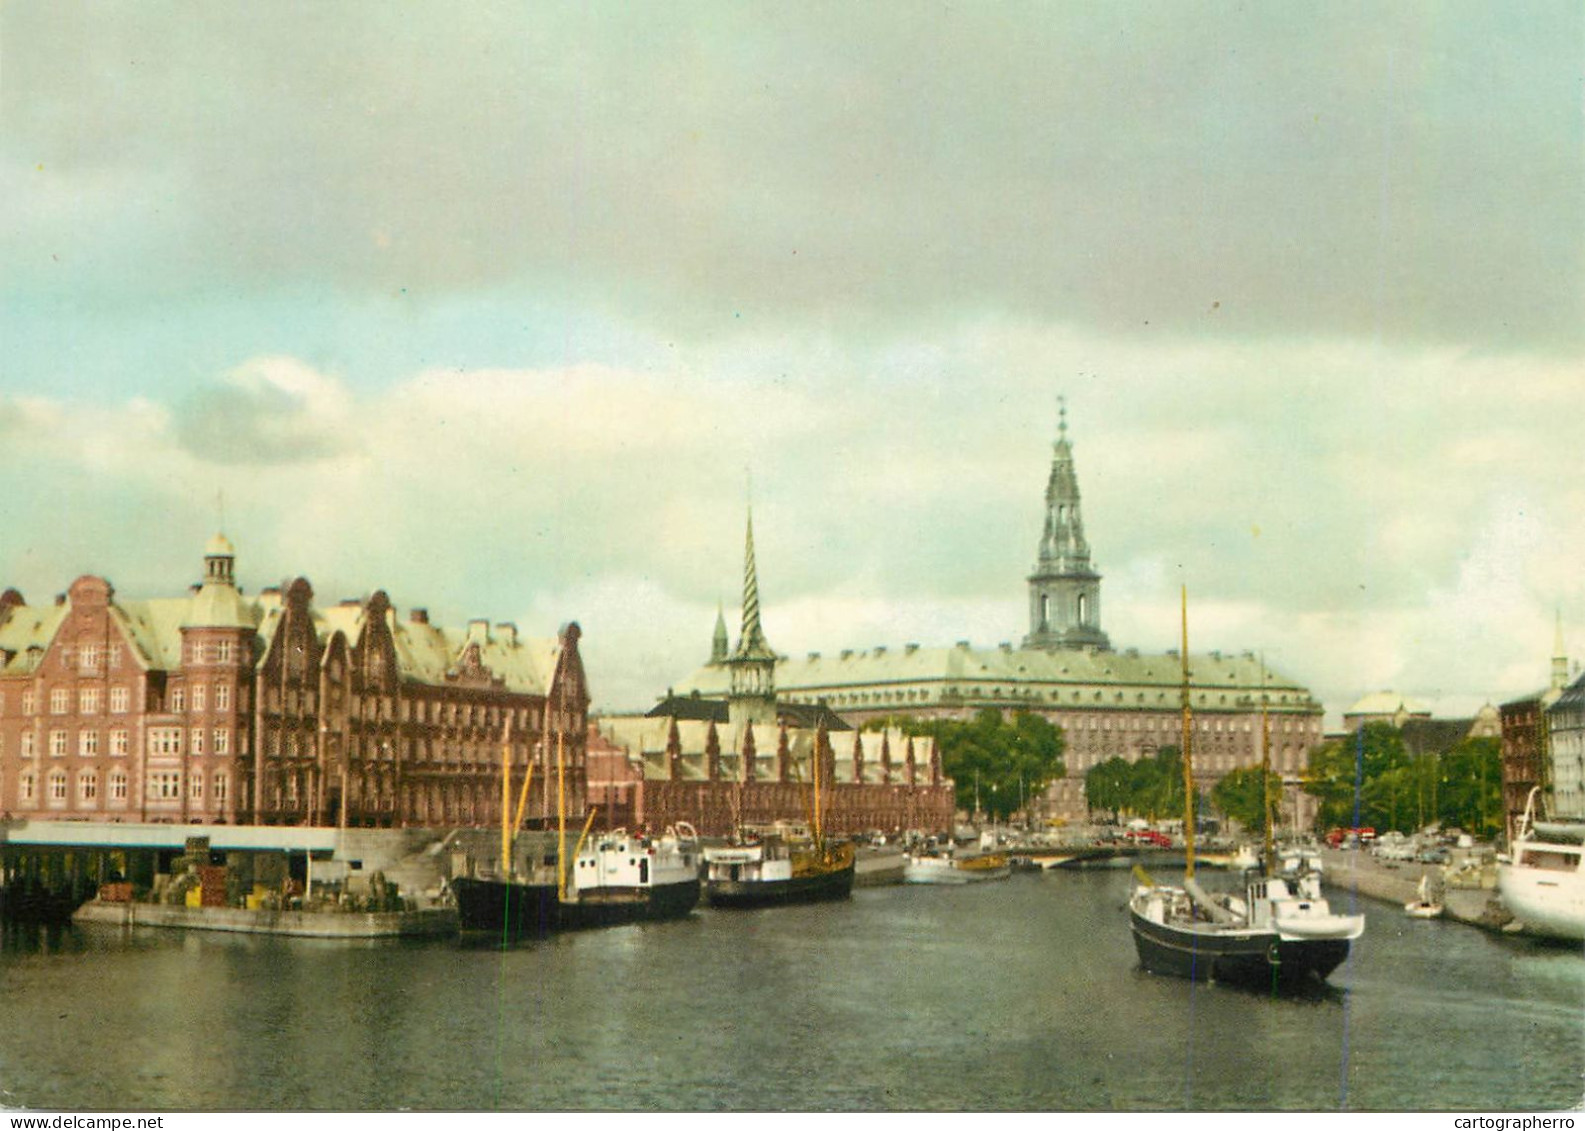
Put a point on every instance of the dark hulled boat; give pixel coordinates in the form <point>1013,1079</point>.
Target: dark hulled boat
<point>1280,932</point>
<point>770,871</point>
<point>504,906</point>
<point>1283,931</point>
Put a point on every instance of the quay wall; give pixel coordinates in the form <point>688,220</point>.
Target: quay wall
<point>1357,872</point>
<point>303,924</point>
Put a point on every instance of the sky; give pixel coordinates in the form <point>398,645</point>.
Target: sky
<point>512,310</point>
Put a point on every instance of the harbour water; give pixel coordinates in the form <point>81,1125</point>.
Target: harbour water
<point>1023,995</point>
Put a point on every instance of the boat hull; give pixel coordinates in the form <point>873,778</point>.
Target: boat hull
<point>1247,957</point>
<point>613,907</point>
<point>1549,904</point>
<point>504,906</point>
<point>522,909</point>
<point>733,894</point>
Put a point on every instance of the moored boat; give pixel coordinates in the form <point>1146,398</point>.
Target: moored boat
<point>949,868</point>
<point>770,870</point>
<point>1280,931</point>
<point>1423,906</point>
<point>1543,884</point>
<point>624,877</point>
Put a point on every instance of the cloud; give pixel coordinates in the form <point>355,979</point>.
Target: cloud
<point>1325,519</point>
<point>268,411</point>
<point>1129,168</point>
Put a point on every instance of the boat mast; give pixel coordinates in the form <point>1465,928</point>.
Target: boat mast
<point>1188,757</point>
<point>561,806</point>
<point>506,799</point>
<point>1265,774</point>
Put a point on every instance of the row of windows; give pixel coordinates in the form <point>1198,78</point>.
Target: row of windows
<point>898,695</point>
<point>157,787</point>
<point>161,741</point>
<point>89,700</point>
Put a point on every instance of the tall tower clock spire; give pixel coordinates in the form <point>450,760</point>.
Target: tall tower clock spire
<point>752,663</point>
<point>1064,591</point>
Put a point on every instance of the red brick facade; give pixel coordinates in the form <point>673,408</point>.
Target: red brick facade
<point>213,709</point>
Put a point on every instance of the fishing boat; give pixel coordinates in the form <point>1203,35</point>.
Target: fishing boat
<point>1423,906</point>
<point>623,877</point>
<point>1280,931</point>
<point>950,868</point>
<point>617,877</point>
<point>1543,884</point>
<point>767,869</point>
<point>510,900</point>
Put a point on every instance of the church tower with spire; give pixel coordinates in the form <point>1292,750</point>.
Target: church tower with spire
<point>1064,591</point>
<point>752,664</point>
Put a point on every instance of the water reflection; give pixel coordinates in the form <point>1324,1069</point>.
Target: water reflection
<point>1020,995</point>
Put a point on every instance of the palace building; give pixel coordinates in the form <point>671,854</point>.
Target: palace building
<point>1109,703</point>
<point>216,707</point>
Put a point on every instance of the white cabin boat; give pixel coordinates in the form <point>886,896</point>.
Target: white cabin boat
<point>1544,883</point>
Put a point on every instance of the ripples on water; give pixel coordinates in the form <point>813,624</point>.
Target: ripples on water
<point>1023,995</point>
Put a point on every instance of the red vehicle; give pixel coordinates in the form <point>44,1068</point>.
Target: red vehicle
<point>1150,837</point>
<point>1361,835</point>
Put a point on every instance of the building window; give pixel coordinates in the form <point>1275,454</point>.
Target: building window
<point>93,656</point>
<point>199,695</point>
<point>224,650</point>
<point>87,787</point>
<point>27,750</point>
<point>196,741</point>
<point>118,743</point>
<point>118,700</point>
<point>118,786</point>
<point>223,697</point>
<point>178,699</point>
<point>164,787</point>
<point>29,702</point>
<point>57,789</point>
<point>57,744</point>
<point>195,787</point>
<point>25,787</point>
<point>165,740</point>
<point>60,701</point>
<point>220,789</point>
<point>88,743</point>
<point>222,740</point>
<point>88,701</point>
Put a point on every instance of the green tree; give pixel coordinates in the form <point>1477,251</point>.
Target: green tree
<point>1004,760</point>
<point>1109,785</point>
<point>1469,787</point>
<point>1245,794</point>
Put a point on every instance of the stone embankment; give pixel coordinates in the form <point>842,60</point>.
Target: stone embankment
<point>302,924</point>
<point>1354,871</point>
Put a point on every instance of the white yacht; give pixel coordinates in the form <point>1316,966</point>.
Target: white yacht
<point>1543,885</point>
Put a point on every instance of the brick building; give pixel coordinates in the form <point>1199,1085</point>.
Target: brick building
<point>215,707</point>
<point>747,756</point>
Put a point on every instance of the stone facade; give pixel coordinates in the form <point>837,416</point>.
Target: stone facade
<point>220,708</point>
<point>1566,728</point>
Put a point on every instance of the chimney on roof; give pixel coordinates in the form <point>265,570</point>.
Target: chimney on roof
<point>1005,646</point>
<point>194,588</point>
<point>418,616</point>
<point>508,632</point>
<point>349,602</point>
<point>910,649</point>
<point>964,645</point>
<point>60,599</point>
<point>880,650</point>
<point>478,632</point>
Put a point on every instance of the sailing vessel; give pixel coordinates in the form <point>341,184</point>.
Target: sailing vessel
<point>620,877</point>
<point>1281,931</point>
<point>1423,906</point>
<point>768,869</point>
<point>947,867</point>
<point>508,901</point>
<point>1544,883</point>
